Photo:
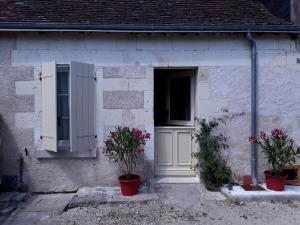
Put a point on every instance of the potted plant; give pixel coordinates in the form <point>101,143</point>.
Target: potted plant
<point>124,145</point>
<point>279,151</point>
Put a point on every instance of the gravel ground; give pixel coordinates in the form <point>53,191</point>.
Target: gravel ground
<point>207,212</point>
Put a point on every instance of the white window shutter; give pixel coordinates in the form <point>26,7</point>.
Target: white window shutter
<point>82,116</point>
<point>49,107</point>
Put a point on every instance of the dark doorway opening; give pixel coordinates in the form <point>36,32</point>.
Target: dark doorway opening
<point>174,97</point>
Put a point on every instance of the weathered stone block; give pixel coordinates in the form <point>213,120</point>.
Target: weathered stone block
<point>149,101</point>
<point>99,71</point>
<point>111,72</point>
<point>154,42</point>
<point>297,44</point>
<point>25,57</point>
<point>149,148</point>
<point>16,73</point>
<point>126,41</point>
<point>199,42</point>
<point>273,58</point>
<point>111,116</point>
<point>124,72</point>
<point>285,42</point>
<point>115,84</point>
<point>123,99</point>
<point>203,90</point>
<point>298,121</point>
<point>127,117</point>
<point>101,41</point>
<point>24,104</point>
<point>51,202</point>
<point>28,120</point>
<point>225,41</point>
<point>32,41</point>
<point>66,41</point>
<point>202,74</point>
<point>267,41</point>
<point>7,43</point>
<point>27,87</point>
<point>140,85</point>
<point>142,116</point>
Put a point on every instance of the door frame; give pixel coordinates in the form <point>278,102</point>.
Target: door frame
<point>175,124</point>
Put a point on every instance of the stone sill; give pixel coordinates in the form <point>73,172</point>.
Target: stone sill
<point>44,154</point>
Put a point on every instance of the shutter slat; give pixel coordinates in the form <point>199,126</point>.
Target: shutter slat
<point>49,107</point>
<point>82,106</point>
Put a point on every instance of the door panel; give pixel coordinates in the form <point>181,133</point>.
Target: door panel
<point>164,141</point>
<point>184,148</point>
<point>173,151</point>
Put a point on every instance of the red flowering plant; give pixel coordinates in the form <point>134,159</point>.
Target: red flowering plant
<point>278,148</point>
<point>124,145</point>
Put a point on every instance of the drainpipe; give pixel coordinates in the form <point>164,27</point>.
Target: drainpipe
<point>252,44</point>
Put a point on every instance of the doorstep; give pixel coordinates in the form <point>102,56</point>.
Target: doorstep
<point>291,193</point>
<point>176,180</point>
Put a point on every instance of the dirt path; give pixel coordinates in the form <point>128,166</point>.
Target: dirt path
<point>174,204</point>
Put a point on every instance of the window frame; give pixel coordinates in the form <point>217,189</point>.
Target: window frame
<point>49,92</point>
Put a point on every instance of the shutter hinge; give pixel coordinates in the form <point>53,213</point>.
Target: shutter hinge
<point>40,76</point>
<point>41,137</point>
<point>96,136</point>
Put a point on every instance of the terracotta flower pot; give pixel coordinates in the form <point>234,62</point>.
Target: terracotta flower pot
<point>130,186</point>
<point>275,183</point>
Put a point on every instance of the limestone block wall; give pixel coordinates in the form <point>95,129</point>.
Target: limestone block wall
<point>125,66</point>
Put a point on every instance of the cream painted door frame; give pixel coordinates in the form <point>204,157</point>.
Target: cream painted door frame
<point>173,151</point>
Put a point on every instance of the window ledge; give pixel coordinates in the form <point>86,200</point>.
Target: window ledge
<point>44,154</point>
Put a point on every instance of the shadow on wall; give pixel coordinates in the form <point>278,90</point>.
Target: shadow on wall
<point>9,158</point>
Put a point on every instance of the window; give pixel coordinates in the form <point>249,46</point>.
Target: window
<point>68,93</point>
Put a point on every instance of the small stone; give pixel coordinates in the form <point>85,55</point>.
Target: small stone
<point>204,214</point>
<point>244,216</point>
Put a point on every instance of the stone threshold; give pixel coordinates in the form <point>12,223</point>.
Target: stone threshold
<point>176,180</point>
<point>291,193</point>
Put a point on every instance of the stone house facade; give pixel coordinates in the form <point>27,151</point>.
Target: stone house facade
<point>126,66</point>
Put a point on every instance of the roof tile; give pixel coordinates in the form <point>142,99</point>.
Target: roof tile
<point>139,12</point>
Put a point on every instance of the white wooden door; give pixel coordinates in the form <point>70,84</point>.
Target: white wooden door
<point>173,151</point>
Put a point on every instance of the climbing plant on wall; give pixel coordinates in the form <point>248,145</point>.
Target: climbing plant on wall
<point>212,166</point>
